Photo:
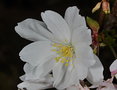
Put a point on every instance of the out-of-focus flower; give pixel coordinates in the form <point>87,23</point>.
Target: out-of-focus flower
<point>106,85</point>
<point>105,7</point>
<point>113,68</point>
<point>61,46</point>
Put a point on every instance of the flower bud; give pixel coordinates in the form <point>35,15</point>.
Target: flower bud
<point>106,7</point>
<point>97,6</point>
<point>93,24</point>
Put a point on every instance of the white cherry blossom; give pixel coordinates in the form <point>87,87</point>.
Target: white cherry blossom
<point>61,46</point>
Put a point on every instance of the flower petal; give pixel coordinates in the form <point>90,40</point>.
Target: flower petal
<point>36,73</point>
<point>73,88</point>
<point>106,85</point>
<point>57,25</point>
<point>81,36</point>
<point>113,67</point>
<point>78,87</point>
<point>81,70</point>
<point>36,53</point>
<point>95,74</point>
<point>33,30</point>
<point>84,54</point>
<point>42,83</point>
<point>33,86</point>
<point>64,76</point>
<point>58,73</point>
<point>48,78</point>
<point>73,18</point>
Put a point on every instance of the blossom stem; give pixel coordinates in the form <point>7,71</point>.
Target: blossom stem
<point>113,51</point>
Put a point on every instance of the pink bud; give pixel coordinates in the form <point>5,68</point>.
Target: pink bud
<point>106,7</point>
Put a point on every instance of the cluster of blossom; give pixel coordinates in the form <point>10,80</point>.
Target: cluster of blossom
<point>60,55</point>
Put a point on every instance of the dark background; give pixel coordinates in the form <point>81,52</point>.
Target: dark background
<point>13,11</point>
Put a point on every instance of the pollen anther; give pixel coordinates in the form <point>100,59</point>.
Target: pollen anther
<point>65,53</point>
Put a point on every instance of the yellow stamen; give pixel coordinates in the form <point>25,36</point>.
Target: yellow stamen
<point>66,64</point>
<point>65,52</point>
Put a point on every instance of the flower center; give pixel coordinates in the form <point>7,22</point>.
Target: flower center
<point>65,53</point>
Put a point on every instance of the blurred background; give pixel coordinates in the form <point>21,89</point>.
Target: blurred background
<point>14,11</point>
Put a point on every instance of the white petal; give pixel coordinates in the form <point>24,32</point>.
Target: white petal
<point>113,67</point>
<point>29,71</point>
<point>73,88</point>
<point>95,74</point>
<point>84,54</point>
<point>22,77</point>
<point>81,70</point>
<point>45,68</point>
<point>33,86</point>
<point>116,76</point>
<point>42,83</point>
<point>28,68</point>
<point>67,77</point>
<point>57,25</point>
<point>81,35</point>
<point>33,30</point>
<point>39,71</point>
<point>58,73</point>
<point>78,87</point>
<point>37,52</point>
<point>64,77</point>
<point>73,18</point>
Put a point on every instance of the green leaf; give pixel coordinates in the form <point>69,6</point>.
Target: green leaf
<point>93,24</point>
